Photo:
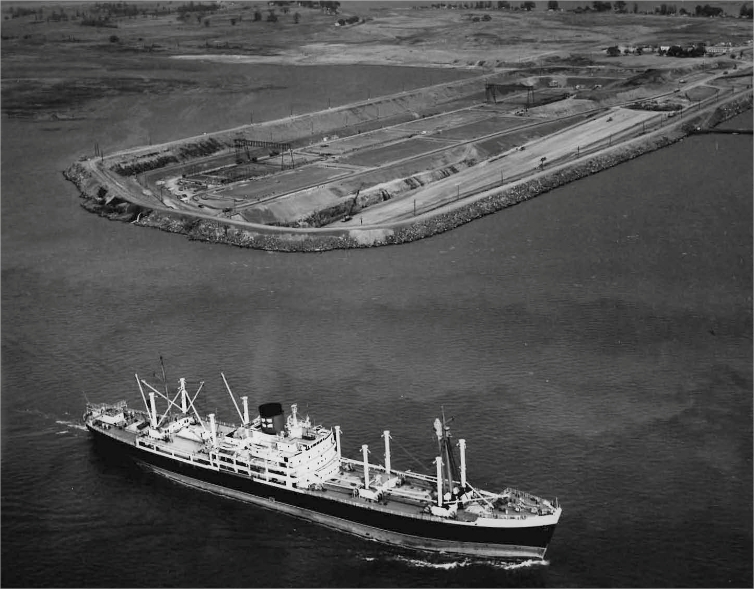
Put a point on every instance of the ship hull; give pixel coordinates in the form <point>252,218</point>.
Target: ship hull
<point>363,520</point>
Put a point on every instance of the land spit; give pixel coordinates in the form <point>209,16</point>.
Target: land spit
<point>118,202</point>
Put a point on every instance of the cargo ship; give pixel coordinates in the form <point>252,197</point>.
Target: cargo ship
<point>291,465</point>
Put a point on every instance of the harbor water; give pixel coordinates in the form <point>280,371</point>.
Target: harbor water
<point>593,344</point>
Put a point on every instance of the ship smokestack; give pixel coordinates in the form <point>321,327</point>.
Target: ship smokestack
<point>271,415</point>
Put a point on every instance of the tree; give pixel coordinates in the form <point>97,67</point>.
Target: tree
<point>528,6</point>
<point>257,15</point>
<point>620,6</point>
<point>296,18</point>
<point>708,10</point>
<point>613,51</point>
<point>272,17</point>
<point>552,5</point>
<point>636,8</point>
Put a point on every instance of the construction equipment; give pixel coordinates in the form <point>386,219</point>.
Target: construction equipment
<point>349,214</point>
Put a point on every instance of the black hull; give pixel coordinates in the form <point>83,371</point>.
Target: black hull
<point>359,519</point>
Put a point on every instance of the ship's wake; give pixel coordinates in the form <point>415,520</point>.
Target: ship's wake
<point>522,564</point>
<point>466,562</point>
<point>71,424</point>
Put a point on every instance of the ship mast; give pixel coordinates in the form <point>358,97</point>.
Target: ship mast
<point>164,377</point>
<point>446,452</point>
<point>244,416</point>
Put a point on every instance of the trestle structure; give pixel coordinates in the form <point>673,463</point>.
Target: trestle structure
<point>241,143</point>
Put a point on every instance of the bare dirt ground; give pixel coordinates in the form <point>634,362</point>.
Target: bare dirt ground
<point>515,164</point>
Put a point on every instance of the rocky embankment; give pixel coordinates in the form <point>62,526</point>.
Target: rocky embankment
<point>97,200</point>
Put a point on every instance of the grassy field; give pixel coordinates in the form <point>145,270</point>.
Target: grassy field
<point>59,65</point>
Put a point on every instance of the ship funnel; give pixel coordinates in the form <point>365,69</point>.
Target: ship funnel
<point>271,415</point>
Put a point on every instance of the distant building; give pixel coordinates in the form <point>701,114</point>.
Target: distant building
<point>717,50</point>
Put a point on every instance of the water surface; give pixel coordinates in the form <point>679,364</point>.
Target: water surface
<point>593,344</point>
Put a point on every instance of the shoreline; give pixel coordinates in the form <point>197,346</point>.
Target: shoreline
<point>283,239</point>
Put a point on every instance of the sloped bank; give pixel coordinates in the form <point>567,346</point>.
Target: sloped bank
<point>310,240</point>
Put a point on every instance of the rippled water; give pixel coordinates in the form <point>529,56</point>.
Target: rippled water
<point>594,344</point>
